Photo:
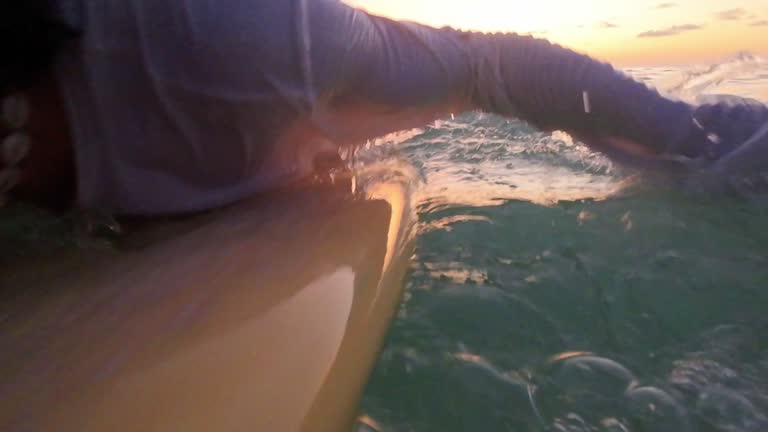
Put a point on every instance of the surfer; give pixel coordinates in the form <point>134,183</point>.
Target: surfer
<point>151,107</point>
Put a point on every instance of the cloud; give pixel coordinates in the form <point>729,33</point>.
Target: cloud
<point>761,23</point>
<point>606,25</point>
<point>666,5</point>
<point>669,31</point>
<point>731,14</point>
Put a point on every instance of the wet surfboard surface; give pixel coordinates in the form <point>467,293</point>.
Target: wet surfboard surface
<point>265,316</point>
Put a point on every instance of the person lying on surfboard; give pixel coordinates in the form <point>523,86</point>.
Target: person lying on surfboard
<point>149,107</point>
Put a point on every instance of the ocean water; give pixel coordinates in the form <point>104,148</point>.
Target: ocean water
<point>552,291</point>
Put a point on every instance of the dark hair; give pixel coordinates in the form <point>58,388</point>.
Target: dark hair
<point>31,35</point>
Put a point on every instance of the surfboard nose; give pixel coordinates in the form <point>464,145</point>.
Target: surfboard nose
<point>264,316</point>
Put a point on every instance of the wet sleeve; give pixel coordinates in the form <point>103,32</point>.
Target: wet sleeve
<point>357,55</point>
<point>555,88</point>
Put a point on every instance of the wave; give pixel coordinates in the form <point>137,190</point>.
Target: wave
<point>698,84</point>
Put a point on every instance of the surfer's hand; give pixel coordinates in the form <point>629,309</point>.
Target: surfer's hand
<point>736,135</point>
<point>729,136</point>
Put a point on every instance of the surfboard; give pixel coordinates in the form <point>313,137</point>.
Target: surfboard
<point>267,316</point>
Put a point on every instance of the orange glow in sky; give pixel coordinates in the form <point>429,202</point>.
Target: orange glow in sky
<point>641,32</point>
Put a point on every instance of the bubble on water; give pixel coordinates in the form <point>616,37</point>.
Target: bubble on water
<point>656,410</point>
<point>612,425</point>
<point>586,384</point>
<point>601,372</point>
<point>571,422</point>
<point>692,376</point>
<point>729,411</point>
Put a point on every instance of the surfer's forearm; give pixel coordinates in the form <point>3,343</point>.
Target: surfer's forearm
<point>405,65</point>
<point>555,88</point>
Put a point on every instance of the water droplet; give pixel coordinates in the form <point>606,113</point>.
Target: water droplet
<point>585,216</point>
<point>627,221</point>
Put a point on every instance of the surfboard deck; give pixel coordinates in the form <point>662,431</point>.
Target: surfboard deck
<point>267,316</point>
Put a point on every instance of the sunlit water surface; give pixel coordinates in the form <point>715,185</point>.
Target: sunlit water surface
<point>551,291</point>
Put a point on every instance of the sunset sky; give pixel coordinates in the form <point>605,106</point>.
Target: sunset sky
<point>636,33</point>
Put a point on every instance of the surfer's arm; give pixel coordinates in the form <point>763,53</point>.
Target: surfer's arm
<point>364,60</point>
<point>375,75</point>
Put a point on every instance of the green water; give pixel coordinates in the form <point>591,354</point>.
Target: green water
<point>687,282</point>
<point>528,252</point>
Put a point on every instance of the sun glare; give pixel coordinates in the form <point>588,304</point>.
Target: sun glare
<point>641,32</point>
